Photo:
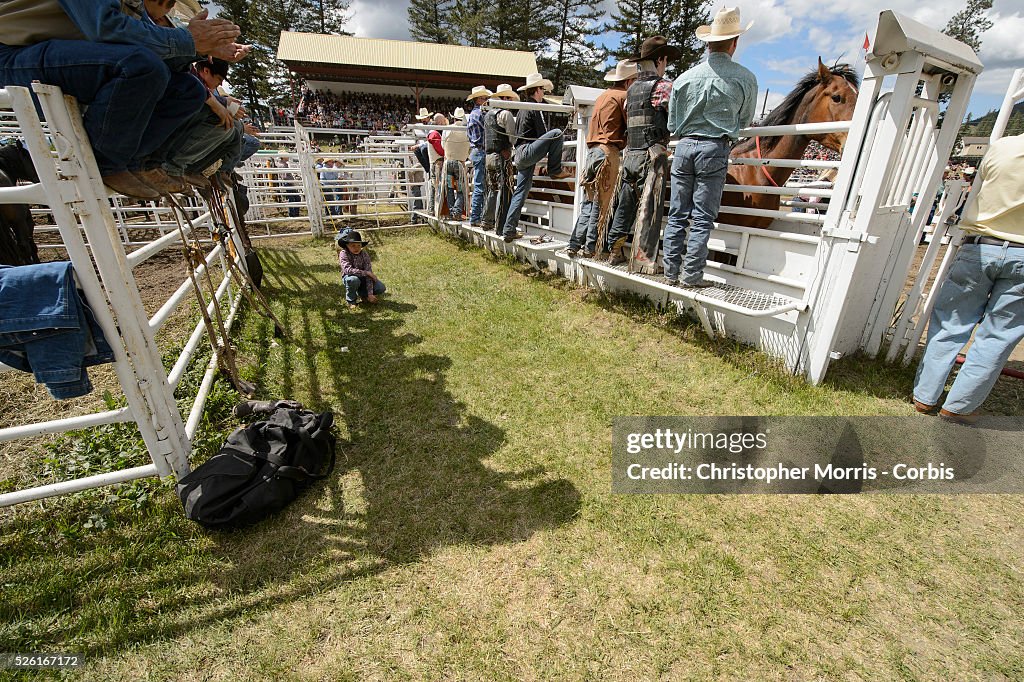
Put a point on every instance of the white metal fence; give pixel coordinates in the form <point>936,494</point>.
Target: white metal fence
<point>95,231</point>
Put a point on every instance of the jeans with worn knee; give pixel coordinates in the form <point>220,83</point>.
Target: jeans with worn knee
<point>357,286</point>
<point>498,194</point>
<point>699,168</point>
<point>476,202</point>
<point>134,102</point>
<point>983,295</point>
<point>527,157</point>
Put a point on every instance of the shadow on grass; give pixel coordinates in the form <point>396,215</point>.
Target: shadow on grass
<point>411,479</point>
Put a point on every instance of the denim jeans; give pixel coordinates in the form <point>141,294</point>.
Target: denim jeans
<point>698,177</point>
<point>134,101</point>
<point>476,211</point>
<point>455,188</point>
<point>633,174</point>
<point>356,287</point>
<point>598,184</point>
<point>527,156</point>
<point>985,289</point>
<point>498,194</point>
<point>250,145</point>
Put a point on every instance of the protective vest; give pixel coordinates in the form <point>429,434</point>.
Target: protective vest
<point>495,138</point>
<point>645,124</point>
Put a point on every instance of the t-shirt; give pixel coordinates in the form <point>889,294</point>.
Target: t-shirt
<point>998,208</point>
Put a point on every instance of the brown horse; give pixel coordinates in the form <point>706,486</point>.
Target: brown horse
<point>826,94</point>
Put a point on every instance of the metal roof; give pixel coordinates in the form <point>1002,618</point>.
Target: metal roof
<point>314,48</point>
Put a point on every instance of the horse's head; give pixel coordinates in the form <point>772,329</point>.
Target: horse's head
<point>17,162</point>
<point>832,98</point>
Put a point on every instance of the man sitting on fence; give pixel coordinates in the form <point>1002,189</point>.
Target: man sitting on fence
<point>110,56</point>
<point>706,129</point>
<point>475,130</point>
<point>606,136</point>
<point>499,138</point>
<point>645,162</point>
<point>456,152</point>
<point>984,293</point>
<point>533,143</point>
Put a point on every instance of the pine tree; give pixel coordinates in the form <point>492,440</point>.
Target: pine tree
<point>575,57</point>
<point>430,21</point>
<point>677,20</point>
<point>470,18</point>
<point>968,24</point>
<point>249,77</point>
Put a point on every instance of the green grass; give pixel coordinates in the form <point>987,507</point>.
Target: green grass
<point>469,531</point>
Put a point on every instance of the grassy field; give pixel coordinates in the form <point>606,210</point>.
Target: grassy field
<point>469,531</point>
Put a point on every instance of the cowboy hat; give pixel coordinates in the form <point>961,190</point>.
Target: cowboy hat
<point>459,114</point>
<point>424,114</point>
<point>480,91</point>
<point>656,47</point>
<point>505,91</point>
<point>725,26</point>
<point>535,80</point>
<point>623,71</point>
<point>349,236</point>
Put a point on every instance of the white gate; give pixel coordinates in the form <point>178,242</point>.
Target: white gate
<point>71,187</point>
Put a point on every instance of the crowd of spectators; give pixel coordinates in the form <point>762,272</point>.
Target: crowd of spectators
<point>365,111</point>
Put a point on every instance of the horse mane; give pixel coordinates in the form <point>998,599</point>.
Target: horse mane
<point>786,110</point>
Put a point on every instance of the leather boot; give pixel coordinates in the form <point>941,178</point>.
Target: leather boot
<point>125,183</point>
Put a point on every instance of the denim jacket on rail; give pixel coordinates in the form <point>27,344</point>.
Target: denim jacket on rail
<point>46,328</point>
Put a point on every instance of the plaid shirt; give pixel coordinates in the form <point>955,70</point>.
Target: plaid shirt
<point>354,264</point>
<point>661,94</point>
<point>475,128</point>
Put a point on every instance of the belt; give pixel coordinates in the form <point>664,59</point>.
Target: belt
<point>991,241</point>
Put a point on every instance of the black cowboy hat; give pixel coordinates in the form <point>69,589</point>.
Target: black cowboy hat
<point>656,47</point>
<point>347,236</point>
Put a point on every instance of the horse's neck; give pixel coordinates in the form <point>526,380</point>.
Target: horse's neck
<point>787,147</point>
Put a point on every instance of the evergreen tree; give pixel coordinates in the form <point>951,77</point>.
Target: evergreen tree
<point>431,21</point>
<point>249,77</point>
<point>968,24</point>
<point>575,57</point>
<point>470,17</point>
<point>677,20</point>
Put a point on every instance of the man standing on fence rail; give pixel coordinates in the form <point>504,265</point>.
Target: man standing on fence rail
<point>533,143</point>
<point>710,103</point>
<point>475,130</point>
<point>109,56</point>
<point>499,138</point>
<point>984,293</point>
<point>606,137</point>
<point>645,162</point>
<point>436,153</point>
<point>456,152</point>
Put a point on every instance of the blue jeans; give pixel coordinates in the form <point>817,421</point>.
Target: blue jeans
<point>527,157</point>
<point>134,101</point>
<point>585,232</point>
<point>250,145</point>
<point>476,211</point>
<point>985,289</point>
<point>200,142</point>
<point>454,183</point>
<point>356,287</point>
<point>699,168</point>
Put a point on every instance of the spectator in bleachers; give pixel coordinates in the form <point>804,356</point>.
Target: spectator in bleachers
<point>113,58</point>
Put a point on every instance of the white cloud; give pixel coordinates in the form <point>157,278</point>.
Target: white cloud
<point>381,19</point>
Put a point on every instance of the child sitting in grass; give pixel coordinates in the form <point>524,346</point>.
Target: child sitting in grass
<point>356,270</point>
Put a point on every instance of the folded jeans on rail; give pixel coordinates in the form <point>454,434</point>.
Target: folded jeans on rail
<point>46,328</point>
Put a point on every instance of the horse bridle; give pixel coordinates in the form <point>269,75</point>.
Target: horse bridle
<point>764,169</point>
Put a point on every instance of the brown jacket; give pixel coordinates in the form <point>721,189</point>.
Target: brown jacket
<point>608,124</point>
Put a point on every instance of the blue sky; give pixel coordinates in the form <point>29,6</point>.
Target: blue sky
<point>789,35</point>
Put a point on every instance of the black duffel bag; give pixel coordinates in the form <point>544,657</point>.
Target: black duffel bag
<point>260,469</point>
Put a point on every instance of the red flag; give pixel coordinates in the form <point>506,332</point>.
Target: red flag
<point>867,43</point>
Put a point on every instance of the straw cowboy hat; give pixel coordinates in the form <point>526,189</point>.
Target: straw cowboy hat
<point>535,80</point>
<point>459,114</point>
<point>623,71</point>
<point>725,26</point>
<point>505,91</point>
<point>424,114</point>
<point>656,47</point>
<point>480,91</point>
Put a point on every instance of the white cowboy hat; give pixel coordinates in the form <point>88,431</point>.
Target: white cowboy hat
<point>725,26</point>
<point>424,114</point>
<point>535,80</point>
<point>459,114</point>
<point>480,91</point>
<point>505,91</point>
<point>623,71</point>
